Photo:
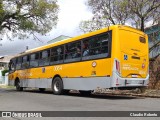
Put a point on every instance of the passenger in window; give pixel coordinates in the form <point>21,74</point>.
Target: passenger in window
<point>59,51</point>
<point>85,49</point>
<point>78,52</point>
<point>97,52</point>
<point>67,54</point>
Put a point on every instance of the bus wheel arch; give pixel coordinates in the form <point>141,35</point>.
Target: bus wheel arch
<point>17,84</point>
<point>57,85</point>
<point>16,81</point>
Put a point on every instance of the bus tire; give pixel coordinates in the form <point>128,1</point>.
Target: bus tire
<point>140,90</point>
<point>18,87</point>
<point>143,89</point>
<point>85,93</point>
<point>57,86</point>
<point>42,89</point>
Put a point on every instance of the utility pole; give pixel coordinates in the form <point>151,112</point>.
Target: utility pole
<point>27,47</point>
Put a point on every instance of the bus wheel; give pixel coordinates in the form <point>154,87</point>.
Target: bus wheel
<point>85,93</point>
<point>140,90</point>
<point>42,89</point>
<point>57,86</point>
<point>143,89</point>
<point>18,87</point>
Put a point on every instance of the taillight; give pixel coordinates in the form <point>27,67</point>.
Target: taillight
<point>143,66</point>
<point>117,66</point>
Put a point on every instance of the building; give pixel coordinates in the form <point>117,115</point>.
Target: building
<point>4,60</point>
<point>59,38</point>
<point>154,39</point>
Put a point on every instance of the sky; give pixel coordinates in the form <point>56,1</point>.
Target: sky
<point>71,13</point>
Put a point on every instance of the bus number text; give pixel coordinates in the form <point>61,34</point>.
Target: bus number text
<point>57,68</point>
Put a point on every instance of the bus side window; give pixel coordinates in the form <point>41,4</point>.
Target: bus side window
<point>34,60</point>
<point>57,55</point>
<point>104,39</point>
<point>85,47</point>
<point>73,51</point>
<point>44,58</point>
<point>18,63</point>
<point>25,61</point>
<point>68,54</point>
<point>94,46</point>
<point>97,47</point>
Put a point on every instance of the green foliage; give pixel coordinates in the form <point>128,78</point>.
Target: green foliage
<point>28,16</point>
<point>4,72</point>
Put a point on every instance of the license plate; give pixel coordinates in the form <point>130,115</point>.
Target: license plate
<point>135,82</point>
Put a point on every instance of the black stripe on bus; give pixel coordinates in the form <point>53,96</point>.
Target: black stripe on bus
<point>134,57</point>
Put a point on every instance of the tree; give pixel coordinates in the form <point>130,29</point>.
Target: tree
<point>120,11</point>
<point>27,16</point>
<point>155,48</point>
<point>105,13</point>
<point>143,11</point>
<point>94,24</point>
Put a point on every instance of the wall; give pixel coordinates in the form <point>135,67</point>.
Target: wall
<point>153,33</point>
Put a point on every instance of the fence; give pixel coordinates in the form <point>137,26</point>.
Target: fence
<point>4,79</point>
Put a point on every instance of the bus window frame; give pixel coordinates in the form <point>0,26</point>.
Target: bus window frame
<point>19,62</point>
<point>12,69</point>
<point>37,60</point>
<point>27,61</point>
<point>44,58</point>
<point>76,59</point>
<point>80,59</point>
<point>56,62</point>
<point>99,56</point>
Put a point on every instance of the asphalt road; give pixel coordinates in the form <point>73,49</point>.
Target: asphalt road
<point>33,100</point>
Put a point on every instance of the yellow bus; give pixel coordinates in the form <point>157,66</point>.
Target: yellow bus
<point>113,57</point>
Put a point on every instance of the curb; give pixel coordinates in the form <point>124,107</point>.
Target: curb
<point>151,96</point>
<point>136,95</point>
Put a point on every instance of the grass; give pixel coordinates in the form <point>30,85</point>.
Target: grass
<point>6,86</point>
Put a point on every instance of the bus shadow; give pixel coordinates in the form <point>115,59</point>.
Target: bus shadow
<point>95,96</point>
<point>104,96</point>
<point>77,94</point>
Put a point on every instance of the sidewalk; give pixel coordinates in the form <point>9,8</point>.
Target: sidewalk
<point>148,93</point>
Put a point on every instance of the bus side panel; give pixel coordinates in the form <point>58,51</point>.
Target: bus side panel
<point>83,76</point>
<point>11,78</point>
<point>78,75</point>
<point>38,77</point>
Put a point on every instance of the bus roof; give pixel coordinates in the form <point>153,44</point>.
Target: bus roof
<point>75,38</point>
